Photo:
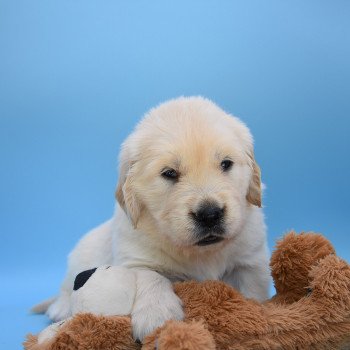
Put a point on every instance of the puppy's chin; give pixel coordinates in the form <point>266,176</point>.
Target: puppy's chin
<point>192,237</point>
<point>208,240</point>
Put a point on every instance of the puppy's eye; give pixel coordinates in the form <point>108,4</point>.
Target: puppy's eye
<point>226,164</point>
<point>170,174</point>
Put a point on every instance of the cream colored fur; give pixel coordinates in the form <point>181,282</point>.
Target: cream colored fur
<point>152,229</point>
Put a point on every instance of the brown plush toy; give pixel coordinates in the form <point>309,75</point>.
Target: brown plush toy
<point>311,310</point>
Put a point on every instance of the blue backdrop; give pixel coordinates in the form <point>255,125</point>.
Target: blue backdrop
<point>75,76</point>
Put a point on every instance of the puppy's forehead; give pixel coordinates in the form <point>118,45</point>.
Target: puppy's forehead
<point>191,129</point>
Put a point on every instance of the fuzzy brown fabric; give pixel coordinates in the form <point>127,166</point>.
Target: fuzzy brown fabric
<point>311,311</point>
<point>192,335</point>
<point>89,332</point>
<point>291,261</point>
<point>320,320</point>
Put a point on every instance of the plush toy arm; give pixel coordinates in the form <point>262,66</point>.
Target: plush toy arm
<point>320,320</point>
<point>178,335</point>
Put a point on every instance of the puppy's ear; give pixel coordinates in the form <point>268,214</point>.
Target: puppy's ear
<point>125,193</point>
<point>254,190</point>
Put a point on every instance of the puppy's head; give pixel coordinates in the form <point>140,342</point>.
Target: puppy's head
<point>188,173</point>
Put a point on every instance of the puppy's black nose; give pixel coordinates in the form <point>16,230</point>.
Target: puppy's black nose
<point>209,214</point>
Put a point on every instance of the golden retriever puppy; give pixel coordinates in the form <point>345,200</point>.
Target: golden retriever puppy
<point>188,207</point>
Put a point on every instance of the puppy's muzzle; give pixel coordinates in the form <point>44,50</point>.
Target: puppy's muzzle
<point>209,221</point>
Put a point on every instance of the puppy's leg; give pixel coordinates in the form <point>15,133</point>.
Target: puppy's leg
<point>155,303</point>
<point>93,250</point>
<point>251,281</point>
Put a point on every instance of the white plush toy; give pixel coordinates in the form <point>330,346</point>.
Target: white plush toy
<point>107,290</point>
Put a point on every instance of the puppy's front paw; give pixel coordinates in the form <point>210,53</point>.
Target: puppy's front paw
<point>60,309</point>
<point>147,316</point>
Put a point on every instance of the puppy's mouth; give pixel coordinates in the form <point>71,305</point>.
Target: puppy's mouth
<point>211,239</point>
